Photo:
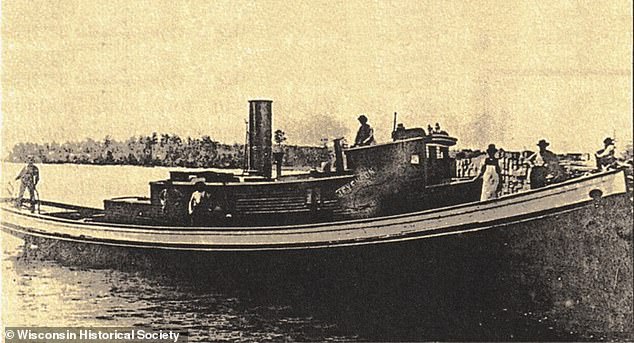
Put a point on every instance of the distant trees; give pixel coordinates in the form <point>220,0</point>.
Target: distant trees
<point>167,150</point>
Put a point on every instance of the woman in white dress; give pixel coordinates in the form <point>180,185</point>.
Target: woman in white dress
<point>490,174</point>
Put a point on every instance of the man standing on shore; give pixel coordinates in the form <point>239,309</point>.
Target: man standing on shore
<point>29,177</point>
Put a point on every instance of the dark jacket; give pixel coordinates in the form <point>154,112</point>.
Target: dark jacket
<point>365,135</point>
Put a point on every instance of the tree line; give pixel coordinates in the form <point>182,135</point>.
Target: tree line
<point>168,150</point>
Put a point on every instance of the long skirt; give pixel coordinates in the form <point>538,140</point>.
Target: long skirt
<point>490,183</point>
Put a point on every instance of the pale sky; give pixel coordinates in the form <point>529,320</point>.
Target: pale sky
<point>503,72</point>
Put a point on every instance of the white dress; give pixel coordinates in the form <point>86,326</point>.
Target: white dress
<point>490,183</point>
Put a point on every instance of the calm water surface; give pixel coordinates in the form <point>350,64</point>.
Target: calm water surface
<point>38,293</point>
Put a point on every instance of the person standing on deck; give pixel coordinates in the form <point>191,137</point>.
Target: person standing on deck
<point>29,177</point>
<point>197,204</point>
<point>605,157</point>
<point>328,165</point>
<point>490,175</point>
<point>171,200</point>
<point>365,135</point>
<point>545,167</point>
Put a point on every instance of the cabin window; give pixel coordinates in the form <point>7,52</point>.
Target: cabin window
<point>414,159</point>
<point>444,152</point>
<point>437,152</point>
<point>431,152</point>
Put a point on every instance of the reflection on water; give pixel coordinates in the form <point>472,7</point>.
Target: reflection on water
<point>466,287</point>
<point>39,292</point>
<point>341,295</point>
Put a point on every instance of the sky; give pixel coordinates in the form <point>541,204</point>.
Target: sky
<point>503,72</point>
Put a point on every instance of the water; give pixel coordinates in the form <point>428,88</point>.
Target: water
<point>451,288</point>
<point>37,293</point>
<point>86,184</point>
<point>40,291</point>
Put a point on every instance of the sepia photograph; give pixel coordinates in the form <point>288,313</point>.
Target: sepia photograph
<point>316,171</point>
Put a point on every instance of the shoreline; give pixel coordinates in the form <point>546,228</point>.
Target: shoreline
<point>285,167</point>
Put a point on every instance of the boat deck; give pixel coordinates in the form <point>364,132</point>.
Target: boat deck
<point>61,210</point>
<point>464,218</point>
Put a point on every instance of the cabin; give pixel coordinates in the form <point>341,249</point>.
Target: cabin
<point>411,173</point>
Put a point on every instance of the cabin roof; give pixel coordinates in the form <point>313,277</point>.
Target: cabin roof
<point>441,140</point>
<point>384,144</point>
<point>254,183</point>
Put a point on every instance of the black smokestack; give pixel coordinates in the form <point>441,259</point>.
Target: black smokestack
<point>260,137</point>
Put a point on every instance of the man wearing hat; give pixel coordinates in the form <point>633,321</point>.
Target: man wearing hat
<point>172,203</point>
<point>29,177</point>
<point>490,174</point>
<point>605,157</point>
<point>545,167</point>
<point>365,135</point>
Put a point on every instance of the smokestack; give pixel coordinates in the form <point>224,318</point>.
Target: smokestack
<point>260,137</point>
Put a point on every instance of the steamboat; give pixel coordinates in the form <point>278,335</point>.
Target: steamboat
<point>397,191</point>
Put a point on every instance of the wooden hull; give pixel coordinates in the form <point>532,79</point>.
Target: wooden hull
<point>527,206</point>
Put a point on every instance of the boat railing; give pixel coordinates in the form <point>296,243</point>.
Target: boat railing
<point>515,171</point>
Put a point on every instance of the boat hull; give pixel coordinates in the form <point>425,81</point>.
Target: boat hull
<point>527,206</point>
<point>566,276</point>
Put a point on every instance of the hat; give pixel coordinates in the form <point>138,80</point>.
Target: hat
<point>608,141</point>
<point>542,143</point>
<point>194,180</point>
<point>363,118</point>
<point>492,148</point>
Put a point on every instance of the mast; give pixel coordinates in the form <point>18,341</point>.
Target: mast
<point>246,147</point>
<point>394,125</point>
